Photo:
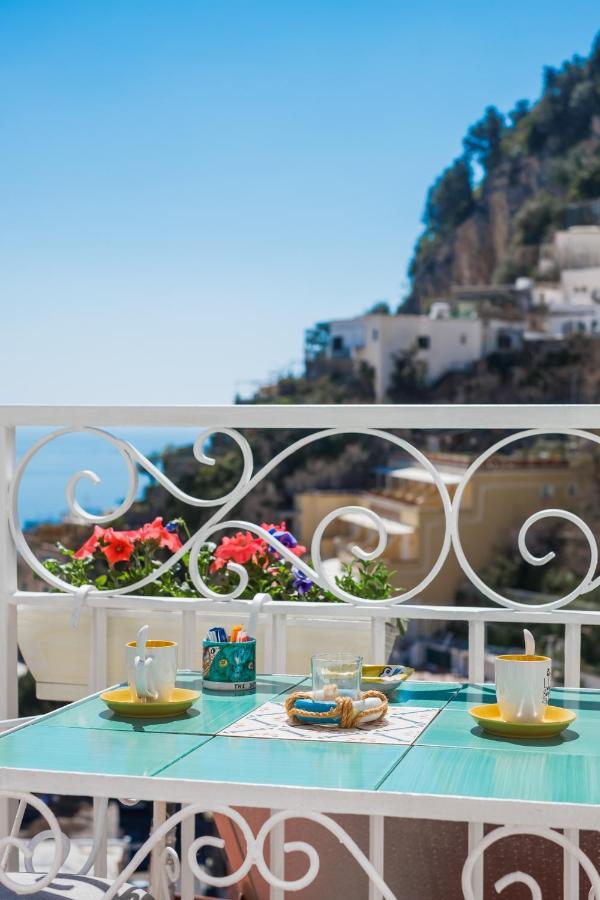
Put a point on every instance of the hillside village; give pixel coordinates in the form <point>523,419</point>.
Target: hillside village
<point>469,323</point>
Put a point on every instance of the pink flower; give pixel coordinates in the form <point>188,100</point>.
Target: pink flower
<point>91,545</point>
<point>117,546</point>
<point>156,531</point>
<point>240,549</point>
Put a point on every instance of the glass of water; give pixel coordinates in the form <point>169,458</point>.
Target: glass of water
<point>336,673</point>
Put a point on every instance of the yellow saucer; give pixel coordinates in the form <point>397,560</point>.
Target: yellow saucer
<point>120,701</point>
<point>555,720</point>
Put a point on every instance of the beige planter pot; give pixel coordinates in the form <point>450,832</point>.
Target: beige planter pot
<point>58,655</point>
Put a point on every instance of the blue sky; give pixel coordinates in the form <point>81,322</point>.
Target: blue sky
<point>185,186</point>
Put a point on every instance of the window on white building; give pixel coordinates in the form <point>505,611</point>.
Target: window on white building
<point>463,339</point>
<point>423,342</point>
<point>547,490</point>
<point>375,334</point>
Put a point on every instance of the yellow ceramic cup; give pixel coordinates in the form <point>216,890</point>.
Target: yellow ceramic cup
<point>523,686</point>
<point>151,674</point>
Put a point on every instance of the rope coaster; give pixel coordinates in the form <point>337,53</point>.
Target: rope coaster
<point>343,708</point>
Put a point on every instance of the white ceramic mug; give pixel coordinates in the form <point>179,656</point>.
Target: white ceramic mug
<point>522,686</point>
<point>151,673</point>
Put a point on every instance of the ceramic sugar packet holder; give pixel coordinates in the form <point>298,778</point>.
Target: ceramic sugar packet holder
<point>229,667</point>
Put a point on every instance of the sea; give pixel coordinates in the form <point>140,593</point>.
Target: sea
<point>42,494</point>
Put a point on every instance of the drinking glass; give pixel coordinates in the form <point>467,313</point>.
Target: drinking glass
<point>339,671</point>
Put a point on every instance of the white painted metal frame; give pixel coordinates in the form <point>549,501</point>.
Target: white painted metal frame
<point>530,421</point>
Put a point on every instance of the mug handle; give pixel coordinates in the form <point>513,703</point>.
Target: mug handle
<point>141,672</point>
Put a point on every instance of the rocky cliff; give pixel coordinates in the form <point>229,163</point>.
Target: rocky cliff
<point>472,254</point>
<point>520,177</point>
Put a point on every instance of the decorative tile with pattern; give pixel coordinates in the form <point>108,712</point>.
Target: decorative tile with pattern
<point>402,725</point>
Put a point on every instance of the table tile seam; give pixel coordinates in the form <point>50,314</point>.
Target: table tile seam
<point>382,781</point>
<point>497,750</point>
<point>392,767</point>
<point>85,700</point>
<point>212,733</point>
<point>181,756</point>
<point>444,702</point>
<point>104,729</point>
<point>315,740</point>
<point>500,749</point>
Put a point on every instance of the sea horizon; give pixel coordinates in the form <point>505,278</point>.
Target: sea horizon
<point>42,496</point>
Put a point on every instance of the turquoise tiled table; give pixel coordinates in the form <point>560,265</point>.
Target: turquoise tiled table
<point>212,712</point>
<point>455,757</point>
<point>84,748</point>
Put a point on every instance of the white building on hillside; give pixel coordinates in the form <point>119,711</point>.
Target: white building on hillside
<point>572,304</point>
<point>577,247</point>
<point>581,286</point>
<point>563,321</point>
<point>546,293</point>
<point>437,343</point>
<point>441,342</point>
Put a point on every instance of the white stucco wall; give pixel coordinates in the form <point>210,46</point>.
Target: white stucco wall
<point>453,344</point>
<point>350,331</point>
<point>578,247</point>
<point>569,319</point>
<point>581,286</point>
<point>546,294</point>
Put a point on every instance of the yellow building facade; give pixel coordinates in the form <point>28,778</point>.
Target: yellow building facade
<point>497,501</point>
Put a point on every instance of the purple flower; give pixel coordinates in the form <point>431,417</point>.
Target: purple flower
<point>301,583</point>
<point>284,537</point>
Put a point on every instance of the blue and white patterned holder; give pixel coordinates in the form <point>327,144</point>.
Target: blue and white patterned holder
<point>229,666</point>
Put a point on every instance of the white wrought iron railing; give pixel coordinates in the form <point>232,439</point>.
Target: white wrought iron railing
<point>380,422</point>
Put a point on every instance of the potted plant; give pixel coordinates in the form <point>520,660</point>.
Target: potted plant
<point>109,559</point>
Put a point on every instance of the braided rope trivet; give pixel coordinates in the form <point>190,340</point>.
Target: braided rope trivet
<point>344,708</point>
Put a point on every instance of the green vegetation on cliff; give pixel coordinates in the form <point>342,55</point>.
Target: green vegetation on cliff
<point>488,212</point>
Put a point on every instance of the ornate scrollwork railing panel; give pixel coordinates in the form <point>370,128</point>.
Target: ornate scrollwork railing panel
<point>254,853</point>
<point>588,583</point>
<point>317,572</point>
<point>216,522</point>
<point>26,848</point>
<point>62,844</point>
<point>505,831</point>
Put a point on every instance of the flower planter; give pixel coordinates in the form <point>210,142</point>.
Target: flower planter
<point>58,655</point>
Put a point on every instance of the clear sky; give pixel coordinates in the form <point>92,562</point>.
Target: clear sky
<point>185,186</point>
